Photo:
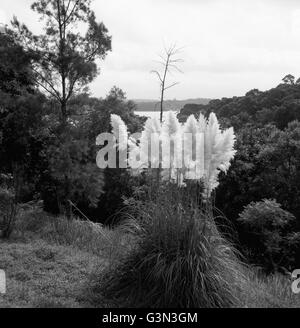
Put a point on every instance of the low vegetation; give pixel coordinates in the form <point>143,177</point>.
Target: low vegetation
<point>48,260</point>
<point>180,260</point>
<point>48,265</point>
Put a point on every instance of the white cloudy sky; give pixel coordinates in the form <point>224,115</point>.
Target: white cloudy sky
<point>230,46</point>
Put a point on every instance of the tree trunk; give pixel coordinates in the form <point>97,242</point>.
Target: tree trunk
<point>67,205</point>
<point>65,138</point>
<point>161,106</point>
<point>64,115</point>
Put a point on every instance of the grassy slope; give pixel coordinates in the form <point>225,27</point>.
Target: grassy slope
<point>49,262</point>
<point>269,292</point>
<point>43,275</point>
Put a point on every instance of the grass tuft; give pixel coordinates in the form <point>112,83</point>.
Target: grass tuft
<point>180,260</point>
<point>84,235</point>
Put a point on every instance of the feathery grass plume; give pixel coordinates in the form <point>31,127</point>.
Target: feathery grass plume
<point>183,164</point>
<point>119,130</point>
<point>170,125</point>
<point>171,142</point>
<point>218,152</point>
<point>191,162</point>
<point>179,258</point>
<point>152,127</point>
<point>134,151</point>
<point>202,122</point>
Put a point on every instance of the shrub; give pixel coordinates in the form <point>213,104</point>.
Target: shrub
<point>180,260</point>
<point>269,235</point>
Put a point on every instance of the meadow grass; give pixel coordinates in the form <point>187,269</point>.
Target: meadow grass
<point>82,234</point>
<point>49,260</point>
<point>268,291</point>
<point>40,274</point>
<point>178,259</point>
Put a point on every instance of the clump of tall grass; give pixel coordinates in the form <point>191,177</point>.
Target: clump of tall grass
<point>83,234</point>
<point>180,259</point>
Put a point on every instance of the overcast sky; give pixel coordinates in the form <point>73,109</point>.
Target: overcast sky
<point>230,46</point>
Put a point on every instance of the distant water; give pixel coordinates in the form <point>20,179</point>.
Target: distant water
<point>151,114</point>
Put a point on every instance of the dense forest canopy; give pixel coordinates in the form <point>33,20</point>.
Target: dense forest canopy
<point>277,106</point>
<point>267,163</point>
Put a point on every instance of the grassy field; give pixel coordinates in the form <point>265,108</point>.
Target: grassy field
<point>43,275</point>
<point>51,262</point>
<point>48,261</point>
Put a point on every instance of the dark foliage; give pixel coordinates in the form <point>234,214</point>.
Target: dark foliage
<point>267,163</point>
<point>279,106</point>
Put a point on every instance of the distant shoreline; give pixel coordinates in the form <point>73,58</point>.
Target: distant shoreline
<point>152,114</point>
<point>154,105</point>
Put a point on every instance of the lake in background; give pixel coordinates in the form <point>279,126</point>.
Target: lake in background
<point>152,114</point>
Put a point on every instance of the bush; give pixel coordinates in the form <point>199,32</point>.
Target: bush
<point>180,260</point>
<point>269,235</point>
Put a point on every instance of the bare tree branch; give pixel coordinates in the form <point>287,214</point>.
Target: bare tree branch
<point>49,91</point>
<point>157,73</point>
<point>71,13</point>
<point>172,85</point>
<point>168,63</point>
<point>54,91</point>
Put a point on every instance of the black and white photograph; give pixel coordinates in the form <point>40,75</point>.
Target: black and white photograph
<point>149,157</point>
